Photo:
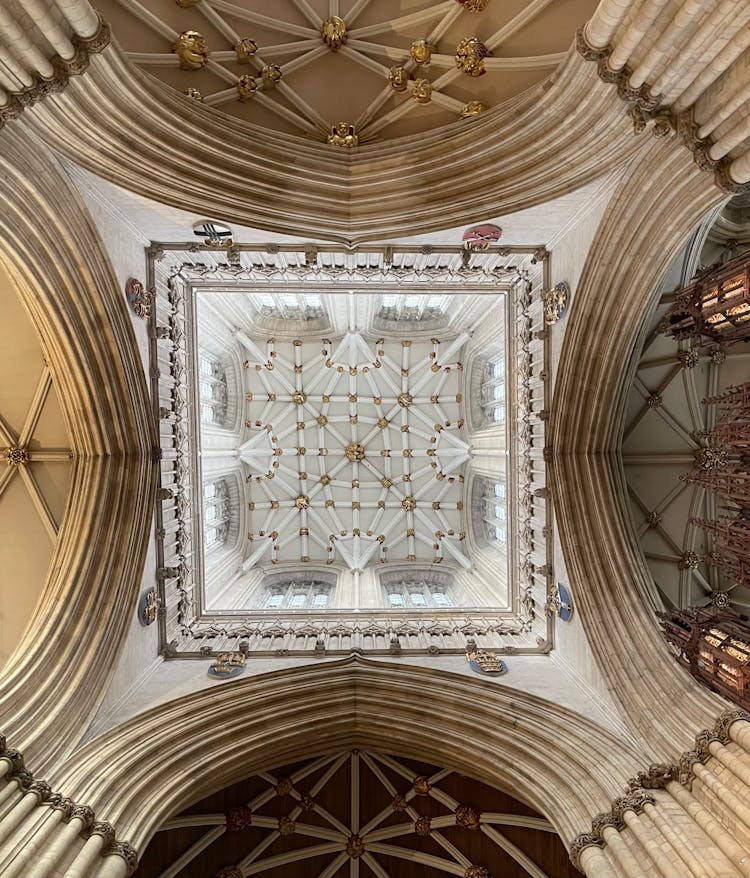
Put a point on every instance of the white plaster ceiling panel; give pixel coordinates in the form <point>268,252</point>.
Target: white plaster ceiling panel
<point>354,450</point>
<point>346,74</point>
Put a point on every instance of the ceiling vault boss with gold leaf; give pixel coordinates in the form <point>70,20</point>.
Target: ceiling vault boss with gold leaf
<point>373,438</point>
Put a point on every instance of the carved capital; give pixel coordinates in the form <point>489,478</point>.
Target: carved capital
<point>724,179</point>
<point>64,804</point>
<point>127,852</point>
<point>687,760</point>
<point>702,741</point>
<point>86,815</point>
<point>725,721</point>
<point>16,761</point>
<point>634,801</point>
<point>580,843</point>
<point>586,50</point>
<point>41,789</point>
<point>24,779</point>
<point>107,832</point>
<point>602,821</point>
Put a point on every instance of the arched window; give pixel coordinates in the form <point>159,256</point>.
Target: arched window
<point>298,594</point>
<point>216,513</point>
<point>492,392</point>
<point>401,308</point>
<point>289,306</point>
<point>495,512</point>
<point>417,592</point>
<point>214,394</point>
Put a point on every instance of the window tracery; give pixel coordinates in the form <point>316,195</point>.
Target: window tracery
<point>298,594</point>
<point>418,593</point>
<point>492,394</point>
<point>290,306</point>
<point>216,513</point>
<point>213,390</point>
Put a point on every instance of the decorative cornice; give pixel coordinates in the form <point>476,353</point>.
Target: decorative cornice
<point>63,70</point>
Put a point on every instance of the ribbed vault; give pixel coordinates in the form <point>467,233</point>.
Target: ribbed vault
<point>358,814</point>
<point>631,252</point>
<point>50,249</point>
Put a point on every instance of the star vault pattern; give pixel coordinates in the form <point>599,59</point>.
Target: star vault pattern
<point>354,452</point>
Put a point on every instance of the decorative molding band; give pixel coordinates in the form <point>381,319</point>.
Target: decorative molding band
<point>78,64</point>
<point>45,796</point>
<point>175,270</point>
<point>645,108</point>
<point>656,777</point>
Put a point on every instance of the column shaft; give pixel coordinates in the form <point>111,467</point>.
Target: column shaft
<point>16,867</point>
<point>594,863</point>
<point>622,854</point>
<point>80,866</point>
<point>62,841</point>
<point>711,826</point>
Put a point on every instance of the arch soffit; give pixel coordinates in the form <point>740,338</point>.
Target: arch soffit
<point>52,251</point>
<point>194,157</point>
<point>633,248</point>
<point>559,762</point>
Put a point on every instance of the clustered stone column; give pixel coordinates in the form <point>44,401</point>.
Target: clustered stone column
<point>43,833</point>
<point>690,818</point>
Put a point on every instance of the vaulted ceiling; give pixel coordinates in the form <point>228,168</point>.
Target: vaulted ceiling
<point>662,440</point>
<point>35,468</point>
<point>334,59</point>
<point>358,814</point>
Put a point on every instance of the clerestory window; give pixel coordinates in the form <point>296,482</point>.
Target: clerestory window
<point>418,593</point>
<point>298,594</point>
<point>289,306</point>
<point>411,307</point>
<point>216,513</point>
<point>213,391</point>
<point>493,390</point>
<point>495,513</point>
